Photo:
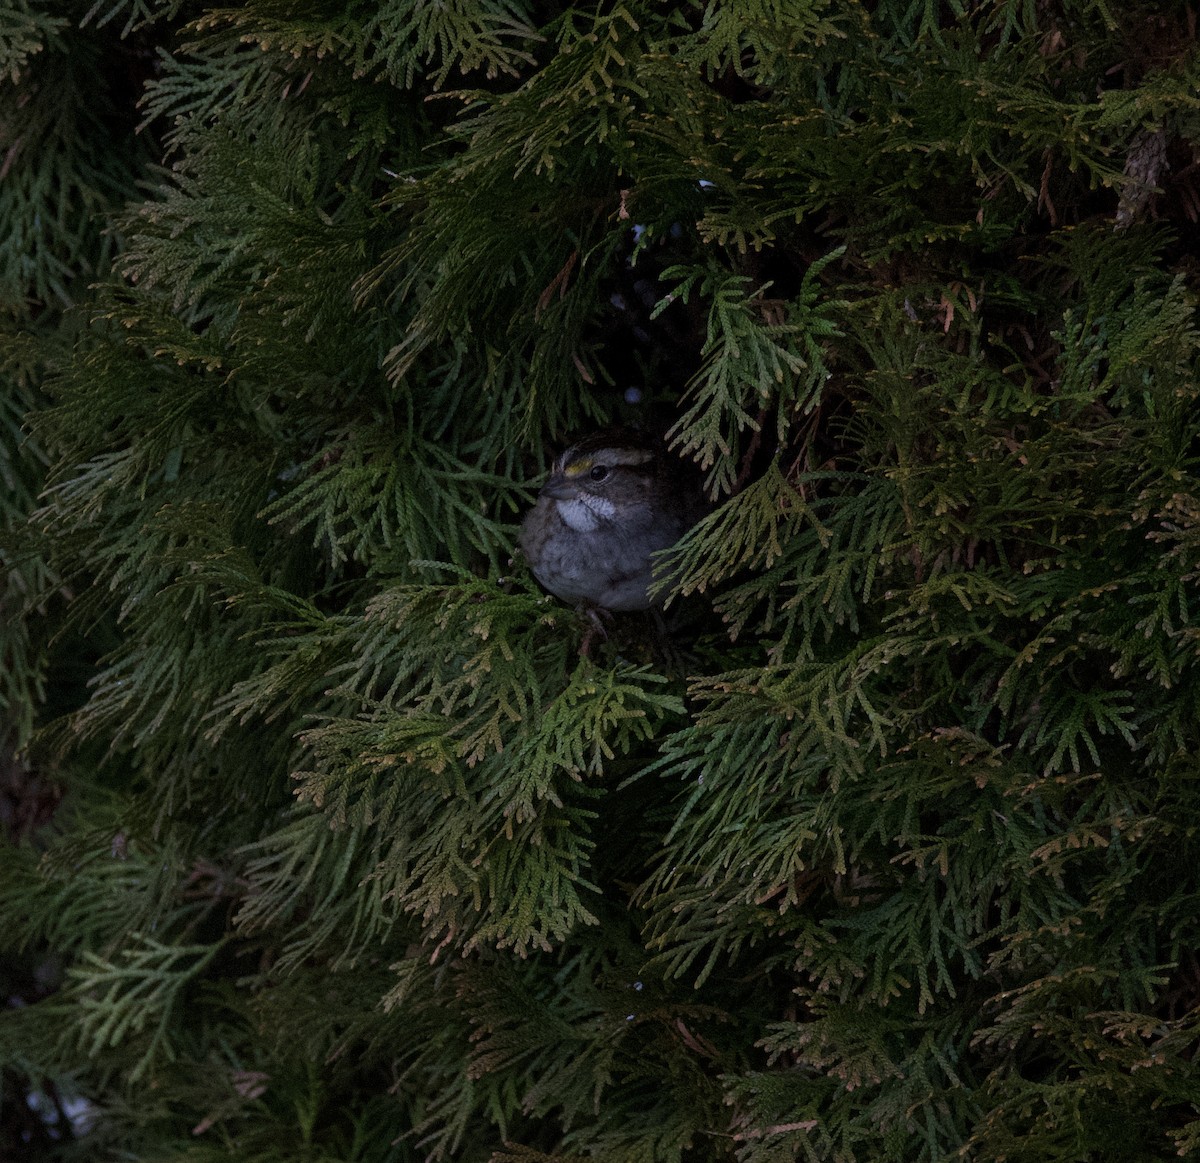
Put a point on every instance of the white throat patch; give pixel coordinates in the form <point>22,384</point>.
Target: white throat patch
<point>586,512</point>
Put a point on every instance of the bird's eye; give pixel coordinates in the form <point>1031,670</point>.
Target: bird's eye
<point>599,472</point>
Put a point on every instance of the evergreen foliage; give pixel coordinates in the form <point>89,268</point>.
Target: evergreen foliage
<point>888,851</point>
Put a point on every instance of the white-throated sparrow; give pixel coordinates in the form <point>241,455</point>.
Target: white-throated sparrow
<point>612,500</point>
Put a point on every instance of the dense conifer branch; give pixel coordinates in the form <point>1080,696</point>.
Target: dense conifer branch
<point>326,834</point>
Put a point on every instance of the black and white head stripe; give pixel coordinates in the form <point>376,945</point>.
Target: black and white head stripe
<point>577,462</point>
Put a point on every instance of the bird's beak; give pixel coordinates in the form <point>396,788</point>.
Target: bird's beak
<point>558,488</point>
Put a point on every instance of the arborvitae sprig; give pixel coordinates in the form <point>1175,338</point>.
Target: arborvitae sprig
<point>757,357</point>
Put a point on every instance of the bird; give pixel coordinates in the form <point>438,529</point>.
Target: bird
<point>612,499</point>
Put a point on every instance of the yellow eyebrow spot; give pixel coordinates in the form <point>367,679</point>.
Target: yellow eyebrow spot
<point>577,466</point>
